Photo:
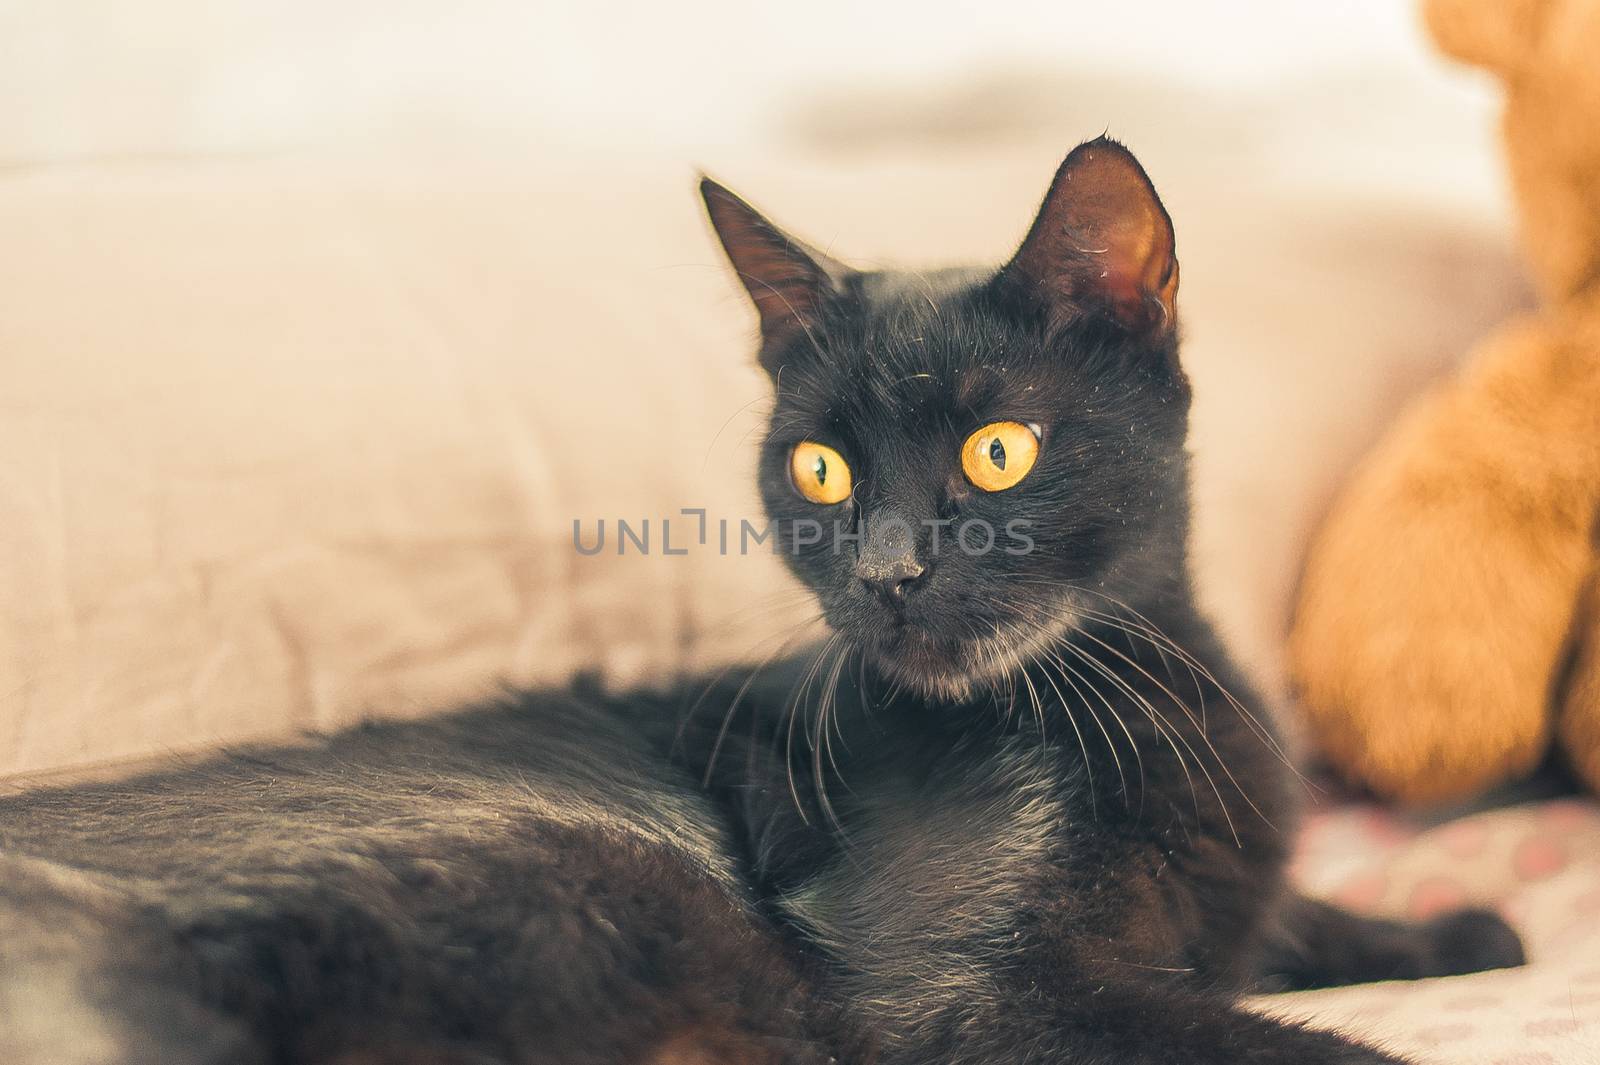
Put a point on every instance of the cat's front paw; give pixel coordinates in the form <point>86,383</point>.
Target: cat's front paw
<point>1470,941</point>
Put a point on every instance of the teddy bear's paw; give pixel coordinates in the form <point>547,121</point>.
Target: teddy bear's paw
<point>1435,746</point>
<point>1580,702</point>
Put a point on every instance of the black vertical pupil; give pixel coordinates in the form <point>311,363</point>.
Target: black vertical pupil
<point>819,470</point>
<point>997,453</point>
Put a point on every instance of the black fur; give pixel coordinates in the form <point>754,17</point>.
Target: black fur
<point>1016,809</point>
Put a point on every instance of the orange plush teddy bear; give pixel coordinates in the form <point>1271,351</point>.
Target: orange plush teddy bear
<point>1448,623</point>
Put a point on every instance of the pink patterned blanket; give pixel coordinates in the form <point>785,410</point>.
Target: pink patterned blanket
<point>1538,863</point>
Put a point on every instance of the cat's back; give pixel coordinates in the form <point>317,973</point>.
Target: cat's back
<point>534,874</point>
<point>531,764</point>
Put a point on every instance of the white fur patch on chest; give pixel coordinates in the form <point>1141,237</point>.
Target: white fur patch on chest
<point>930,886</point>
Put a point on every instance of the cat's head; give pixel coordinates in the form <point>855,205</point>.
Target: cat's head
<point>963,464</point>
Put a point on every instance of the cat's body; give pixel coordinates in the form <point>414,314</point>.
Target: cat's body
<point>531,882</point>
<point>1015,810</point>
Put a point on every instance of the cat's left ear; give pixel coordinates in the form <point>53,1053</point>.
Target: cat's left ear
<point>1101,244</point>
<point>789,282</point>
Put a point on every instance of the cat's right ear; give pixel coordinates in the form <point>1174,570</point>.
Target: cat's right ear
<point>789,283</point>
<point>1101,245</point>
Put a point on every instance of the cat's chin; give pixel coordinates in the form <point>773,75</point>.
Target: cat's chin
<point>960,670</point>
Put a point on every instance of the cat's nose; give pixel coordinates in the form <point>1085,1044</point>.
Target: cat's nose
<point>891,579</point>
<point>888,561</point>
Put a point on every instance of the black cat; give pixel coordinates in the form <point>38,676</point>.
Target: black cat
<point>1015,809</point>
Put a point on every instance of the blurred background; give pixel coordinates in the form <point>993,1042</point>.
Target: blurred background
<point>97,79</point>
<point>321,323</point>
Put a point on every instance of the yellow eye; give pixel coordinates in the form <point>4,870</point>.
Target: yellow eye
<point>999,455</point>
<point>819,473</point>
